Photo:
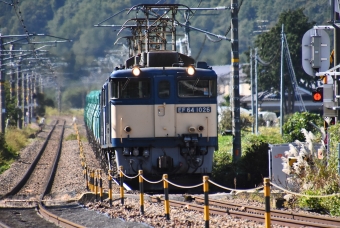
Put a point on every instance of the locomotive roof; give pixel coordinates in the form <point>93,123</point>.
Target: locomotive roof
<point>174,71</point>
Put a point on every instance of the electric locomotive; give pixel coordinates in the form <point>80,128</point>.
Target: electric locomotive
<point>158,113</point>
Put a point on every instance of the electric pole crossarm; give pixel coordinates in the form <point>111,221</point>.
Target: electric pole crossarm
<point>26,36</point>
<point>13,51</point>
<point>205,32</point>
<point>12,41</point>
<point>329,72</point>
<point>214,8</point>
<point>15,57</point>
<point>46,42</point>
<point>184,8</point>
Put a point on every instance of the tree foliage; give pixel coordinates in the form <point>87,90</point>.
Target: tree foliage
<point>294,24</point>
<point>75,20</point>
<point>225,123</point>
<point>292,127</point>
<point>11,106</point>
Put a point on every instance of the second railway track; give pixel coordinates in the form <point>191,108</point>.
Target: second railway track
<point>34,181</point>
<point>51,197</point>
<point>37,182</point>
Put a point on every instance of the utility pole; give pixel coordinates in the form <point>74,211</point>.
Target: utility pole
<point>19,93</point>
<point>34,95</point>
<point>282,85</point>
<point>12,76</point>
<point>252,89</point>
<point>24,94</point>
<point>236,124</point>
<point>2,93</point>
<point>256,96</point>
<point>336,23</point>
<point>29,98</point>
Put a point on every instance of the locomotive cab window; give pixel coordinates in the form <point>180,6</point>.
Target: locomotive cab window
<point>197,88</point>
<point>130,88</point>
<point>164,89</point>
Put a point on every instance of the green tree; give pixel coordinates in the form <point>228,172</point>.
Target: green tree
<point>226,101</point>
<point>269,49</point>
<point>292,127</point>
<point>11,105</point>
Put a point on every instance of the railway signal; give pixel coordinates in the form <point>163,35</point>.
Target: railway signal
<point>317,95</point>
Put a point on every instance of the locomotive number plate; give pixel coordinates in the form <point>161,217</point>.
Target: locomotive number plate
<point>193,109</point>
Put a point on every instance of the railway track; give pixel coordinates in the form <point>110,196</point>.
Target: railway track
<point>257,214</point>
<point>277,215</point>
<point>37,182</point>
<point>61,216</point>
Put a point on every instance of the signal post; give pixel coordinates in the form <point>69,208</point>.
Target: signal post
<point>316,59</point>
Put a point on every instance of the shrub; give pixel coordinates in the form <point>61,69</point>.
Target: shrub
<point>312,174</point>
<point>225,122</point>
<point>296,122</point>
<point>222,157</point>
<point>252,167</point>
<point>255,161</point>
<point>11,143</point>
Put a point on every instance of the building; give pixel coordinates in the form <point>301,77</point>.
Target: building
<point>268,101</point>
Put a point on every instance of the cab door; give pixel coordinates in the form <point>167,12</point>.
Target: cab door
<point>164,109</point>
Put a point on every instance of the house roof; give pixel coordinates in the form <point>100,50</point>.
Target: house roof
<point>268,96</point>
<point>224,72</point>
<point>263,96</point>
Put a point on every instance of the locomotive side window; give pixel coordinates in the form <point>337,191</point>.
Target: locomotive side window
<point>197,88</point>
<point>130,88</point>
<point>164,89</point>
<point>103,99</point>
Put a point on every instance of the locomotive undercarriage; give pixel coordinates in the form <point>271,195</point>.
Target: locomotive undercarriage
<point>184,164</point>
<point>188,157</point>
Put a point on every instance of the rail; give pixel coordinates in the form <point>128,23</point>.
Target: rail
<point>41,209</point>
<point>256,214</point>
<point>28,173</point>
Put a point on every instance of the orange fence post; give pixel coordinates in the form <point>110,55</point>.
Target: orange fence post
<point>86,178</point>
<point>96,184</point>
<point>91,180</point>
<point>206,200</point>
<point>267,202</point>
<point>110,188</point>
<point>100,186</point>
<point>121,185</point>
<point>166,196</point>
<point>141,190</point>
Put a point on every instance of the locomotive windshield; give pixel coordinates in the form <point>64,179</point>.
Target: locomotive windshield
<point>130,88</point>
<point>197,88</point>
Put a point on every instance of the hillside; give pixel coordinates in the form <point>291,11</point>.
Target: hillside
<point>92,52</point>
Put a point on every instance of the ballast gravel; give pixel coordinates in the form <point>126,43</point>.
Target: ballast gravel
<point>69,185</point>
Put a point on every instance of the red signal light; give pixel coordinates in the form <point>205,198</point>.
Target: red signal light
<point>317,95</point>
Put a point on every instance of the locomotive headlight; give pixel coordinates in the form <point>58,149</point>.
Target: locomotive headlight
<point>192,129</point>
<point>191,70</point>
<point>135,152</point>
<point>146,153</point>
<point>136,71</point>
<point>127,129</point>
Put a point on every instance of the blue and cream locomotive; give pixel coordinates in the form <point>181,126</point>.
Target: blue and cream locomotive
<point>158,114</point>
